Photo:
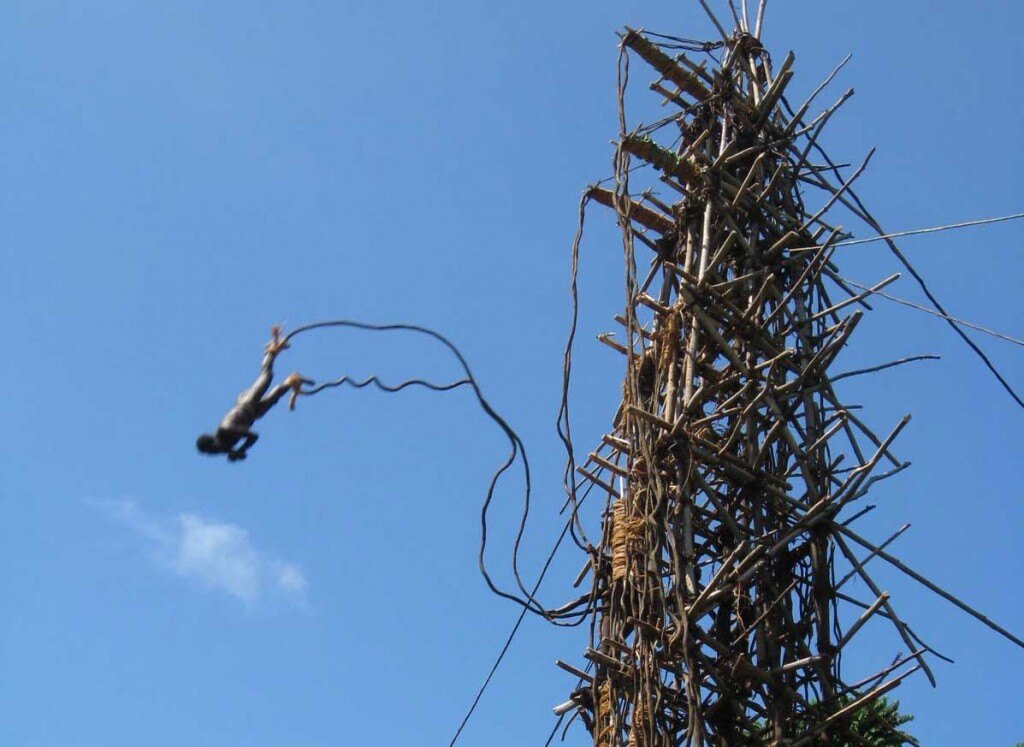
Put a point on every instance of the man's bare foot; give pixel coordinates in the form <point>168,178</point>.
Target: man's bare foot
<point>276,344</point>
<point>296,380</point>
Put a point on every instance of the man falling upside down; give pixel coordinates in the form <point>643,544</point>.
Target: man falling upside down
<point>251,405</point>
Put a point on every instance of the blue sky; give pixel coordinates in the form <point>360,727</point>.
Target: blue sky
<point>178,177</point>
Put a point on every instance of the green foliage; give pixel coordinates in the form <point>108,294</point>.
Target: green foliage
<point>878,723</point>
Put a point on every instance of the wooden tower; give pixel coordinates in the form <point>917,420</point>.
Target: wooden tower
<point>733,470</point>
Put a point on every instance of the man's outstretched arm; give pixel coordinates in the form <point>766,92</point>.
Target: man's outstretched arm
<point>239,453</point>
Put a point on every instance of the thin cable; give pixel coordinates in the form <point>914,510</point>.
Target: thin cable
<point>862,212</point>
<point>562,421</point>
<point>554,731</point>
<point>356,384</point>
<point>529,604</point>
<point>511,635</point>
<point>519,621</point>
<point>515,443</point>
<point>933,229</point>
<point>562,426</point>
<point>691,45</point>
<point>933,312</point>
<point>490,674</point>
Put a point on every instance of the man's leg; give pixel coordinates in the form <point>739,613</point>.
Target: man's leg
<point>254,394</point>
<point>293,383</point>
<point>272,399</point>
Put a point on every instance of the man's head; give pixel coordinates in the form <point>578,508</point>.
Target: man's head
<point>209,444</point>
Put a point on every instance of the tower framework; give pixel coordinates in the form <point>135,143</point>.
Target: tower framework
<point>733,469</point>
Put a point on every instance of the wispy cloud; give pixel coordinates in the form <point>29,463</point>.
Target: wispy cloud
<point>216,555</point>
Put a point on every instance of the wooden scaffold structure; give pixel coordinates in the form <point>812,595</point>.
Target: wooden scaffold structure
<point>733,470</point>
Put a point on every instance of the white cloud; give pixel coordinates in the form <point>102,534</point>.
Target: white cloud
<point>289,578</point>
<point>219,556</point>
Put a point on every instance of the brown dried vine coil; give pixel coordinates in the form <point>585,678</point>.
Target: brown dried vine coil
<point>627,534</point>
<point>604,716</point>
<point>637,734</point>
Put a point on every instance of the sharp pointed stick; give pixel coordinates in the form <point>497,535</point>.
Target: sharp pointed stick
<point>882,599</point>
<point>818,125</point>
<point>714,20</point>
<point>795,122</point>
<point>856,705</point>
<point>839,192</point>
<point>855,299</point>
<point>933,312</point>
<point>861,563</point>
<point>760,18</point>
<point>884,366</point>
<point>929,585</point>
<point>858,208</point>
<point>896,621</point>
<point>735,16</point>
